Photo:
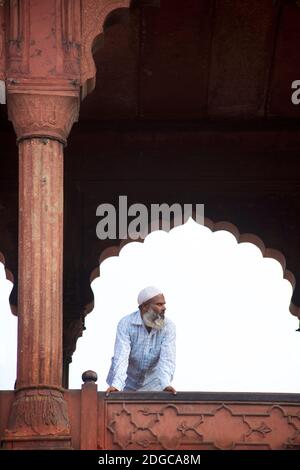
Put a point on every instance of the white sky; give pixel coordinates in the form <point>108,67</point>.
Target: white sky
<point>8,336</point>
<point>230,306</point>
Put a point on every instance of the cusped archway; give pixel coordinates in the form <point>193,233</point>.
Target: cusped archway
<point>210,299</point>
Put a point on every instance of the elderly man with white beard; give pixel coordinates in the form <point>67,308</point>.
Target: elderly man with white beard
<point>144,353</point>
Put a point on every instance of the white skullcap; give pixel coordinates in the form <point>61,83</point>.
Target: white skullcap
<point>147,294</point>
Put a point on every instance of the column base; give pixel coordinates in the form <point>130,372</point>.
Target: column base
<point>38,420</point>
<point>36,443</point>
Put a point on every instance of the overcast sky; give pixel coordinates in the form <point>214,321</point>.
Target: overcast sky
<point>230,306</point>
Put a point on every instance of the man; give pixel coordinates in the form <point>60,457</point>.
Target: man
<point>144,355</point>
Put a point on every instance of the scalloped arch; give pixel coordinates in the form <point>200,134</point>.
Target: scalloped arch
<point>214,227</point>
<point>94,15</point>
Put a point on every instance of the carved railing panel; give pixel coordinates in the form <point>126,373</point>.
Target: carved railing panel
<point>188,424</point>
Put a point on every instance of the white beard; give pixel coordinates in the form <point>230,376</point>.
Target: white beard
<point>153,320</point>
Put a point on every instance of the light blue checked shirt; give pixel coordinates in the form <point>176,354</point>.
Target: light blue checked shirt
<point>142,361</point>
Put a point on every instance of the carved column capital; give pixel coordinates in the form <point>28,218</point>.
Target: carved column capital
<point>42,113</point>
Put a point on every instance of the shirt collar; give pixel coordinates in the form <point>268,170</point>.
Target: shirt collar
<point>137,319</point>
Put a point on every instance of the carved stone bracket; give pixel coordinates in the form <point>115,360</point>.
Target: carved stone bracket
<point>42,113</point>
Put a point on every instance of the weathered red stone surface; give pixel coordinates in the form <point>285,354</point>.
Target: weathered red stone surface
<point>197,421</point>
<point>40,262</point>
<point>2,43</point>
<point>200,425</point>
<point>200,91</point>
<point>42,104</point>
<point>192,420</point>
<point>39,409</point>
<point>37,110</point>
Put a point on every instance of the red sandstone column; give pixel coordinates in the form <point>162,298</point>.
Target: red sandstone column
<point>39,418</point>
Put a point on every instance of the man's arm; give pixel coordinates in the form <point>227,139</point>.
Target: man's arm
<point>118,370</point>
<point>167,359</point>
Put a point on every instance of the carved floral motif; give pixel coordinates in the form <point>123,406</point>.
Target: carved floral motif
<point>204,426</point>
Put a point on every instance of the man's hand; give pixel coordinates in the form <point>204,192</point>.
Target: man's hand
<point>170,389</point>
<point>111,389</point>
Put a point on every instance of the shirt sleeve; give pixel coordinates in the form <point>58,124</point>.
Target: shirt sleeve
<point>118,370</point>
<point>167,359</point>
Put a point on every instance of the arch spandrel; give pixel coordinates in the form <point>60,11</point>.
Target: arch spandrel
<point>94,14</point>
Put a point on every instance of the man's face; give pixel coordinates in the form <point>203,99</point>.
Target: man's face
<point>153,312</point>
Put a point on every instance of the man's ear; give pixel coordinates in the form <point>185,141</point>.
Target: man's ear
<point>143,308</point>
